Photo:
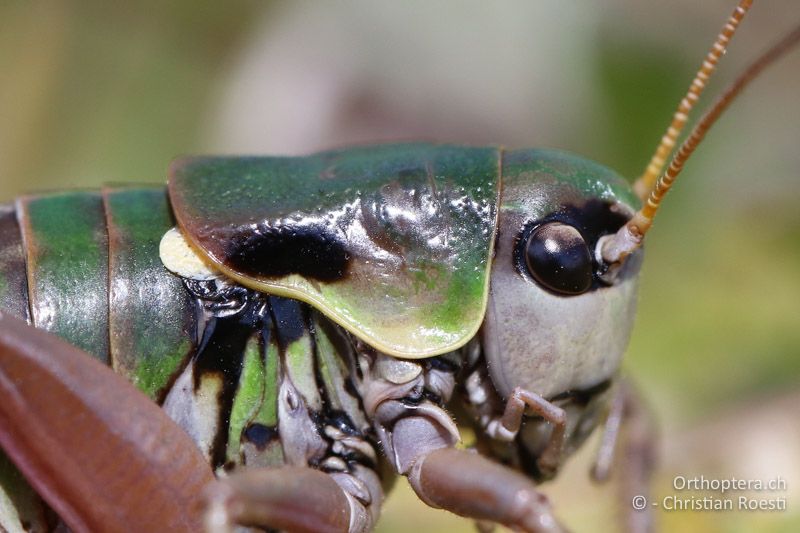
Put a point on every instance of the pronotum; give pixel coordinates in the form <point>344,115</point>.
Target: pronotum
<point>318,320</point>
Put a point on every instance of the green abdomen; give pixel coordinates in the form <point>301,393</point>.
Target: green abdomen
<point>85,266</point>
<point>223,361</point>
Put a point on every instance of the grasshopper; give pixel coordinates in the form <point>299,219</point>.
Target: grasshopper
<point>307,324</point>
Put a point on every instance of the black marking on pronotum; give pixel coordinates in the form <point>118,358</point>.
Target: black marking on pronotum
<point>593,219</point>
<point>314,251</point>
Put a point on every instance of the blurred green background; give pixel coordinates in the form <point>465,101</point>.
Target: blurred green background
<point>94,92</point>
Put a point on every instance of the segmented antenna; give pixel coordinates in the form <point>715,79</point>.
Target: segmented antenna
<point>648,178</point>
<point>616,247</point>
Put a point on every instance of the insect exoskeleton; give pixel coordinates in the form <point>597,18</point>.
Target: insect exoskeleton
<point>433,248</point>
<point>313,324</point>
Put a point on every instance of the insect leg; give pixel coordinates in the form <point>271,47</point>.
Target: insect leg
<point>601,469</point>
<point>294,498</point>
<point>467,483</point>
<point>521,399</point>
<point>406,402</point>
<point>629,439</point>
<point>98,451</point>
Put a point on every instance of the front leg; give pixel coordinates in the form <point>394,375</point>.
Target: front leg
<point>485,405</point>
<point>419,438</point>
<point>294,498</point>
<point>520,399</point>
<point>469,484</point>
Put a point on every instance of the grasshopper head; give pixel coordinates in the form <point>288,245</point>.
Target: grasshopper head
<point>563,281</point>
<point>556,323</point>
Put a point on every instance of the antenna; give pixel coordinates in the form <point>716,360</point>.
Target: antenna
<point>614,248</point>
<point>653,170</point>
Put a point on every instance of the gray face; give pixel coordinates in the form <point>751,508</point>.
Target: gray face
<point>549,343</point>
<point>549,329</point>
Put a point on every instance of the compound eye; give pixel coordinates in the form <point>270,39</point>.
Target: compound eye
<point>558,258</point>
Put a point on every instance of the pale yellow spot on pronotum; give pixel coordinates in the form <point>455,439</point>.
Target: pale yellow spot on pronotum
<point>180,258</point>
